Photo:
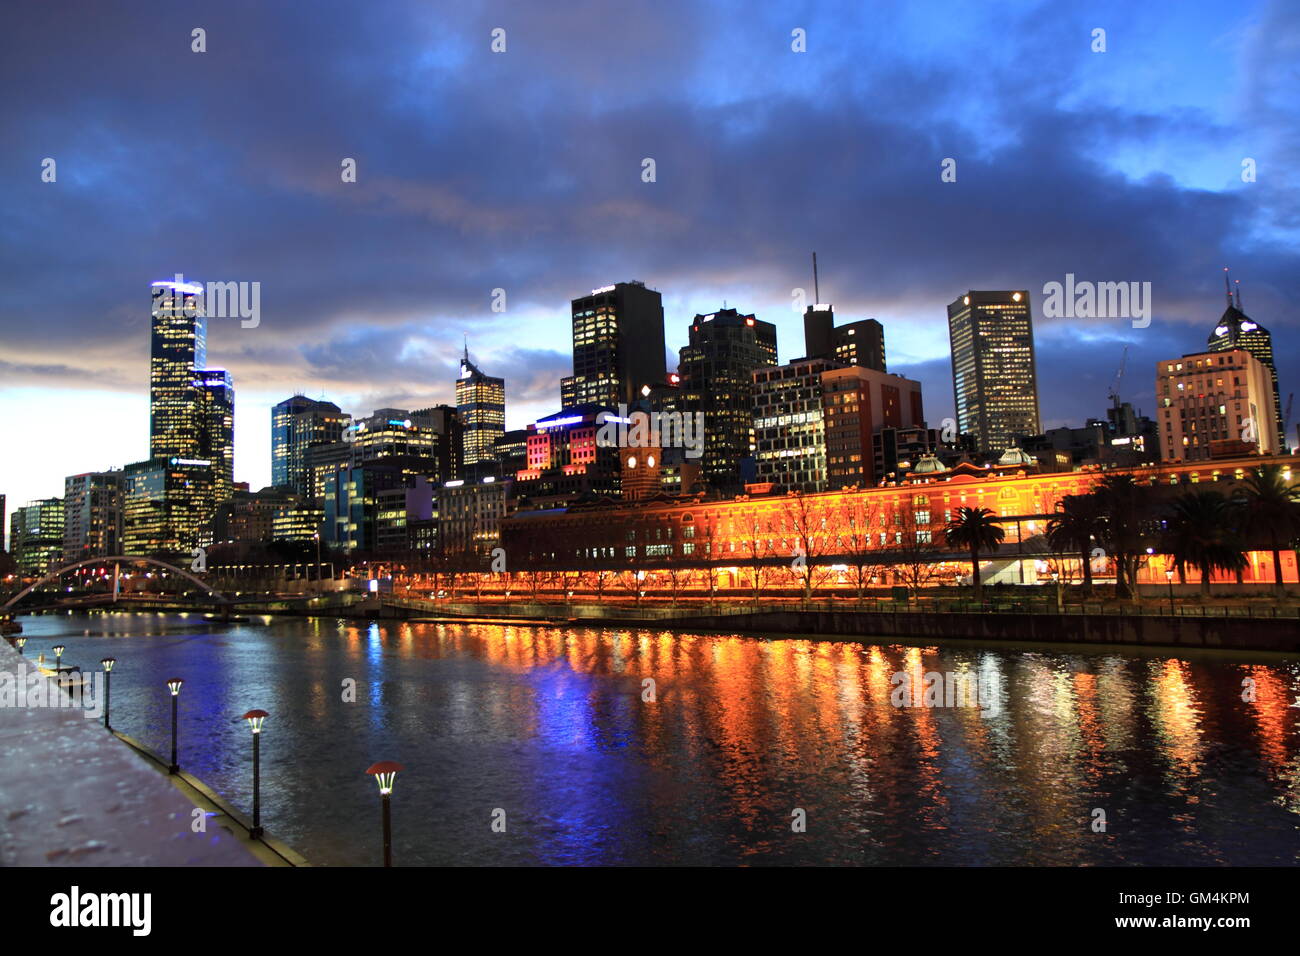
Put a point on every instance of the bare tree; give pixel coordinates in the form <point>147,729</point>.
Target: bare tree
<point>854,542</point>
<point>917,543</point>
<point>755,537</point>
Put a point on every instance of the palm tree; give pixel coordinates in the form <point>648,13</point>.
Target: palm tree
<point>1201,532</point>
<point>1123,505</point>
<point>1270,507</point>
<point>977,530</point>
<point>1076,526</point>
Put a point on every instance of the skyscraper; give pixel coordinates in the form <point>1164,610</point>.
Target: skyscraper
<point>716,368</point>
<point>790,424</point>
<point>178,346</point>
<point>297,423</point>
<point>618,345</point>
<point>481,402</point>
<point>1213,401</point>
<point>36,535</point>
<point>860,402</point>
<point>92,515</point>
<point>1237,330</point>
<point>993,376</point>
<point>215,412</point>
<point>859,343</point>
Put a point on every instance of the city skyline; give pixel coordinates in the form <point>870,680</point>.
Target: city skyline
<point>1066,182</point>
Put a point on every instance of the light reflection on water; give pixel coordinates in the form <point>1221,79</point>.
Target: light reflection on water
<point>549,725</point>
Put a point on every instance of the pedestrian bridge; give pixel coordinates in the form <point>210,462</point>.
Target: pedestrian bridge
<point>116,560</point>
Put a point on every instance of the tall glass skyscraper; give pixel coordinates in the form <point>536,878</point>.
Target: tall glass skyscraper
<point>1237,330</point>
<point>178,346</point>
<point>215,397</point>
<point>481,404</point>
<point>618,346</point>
<point>993,372</point>
<point>297,423</point>
<point>717,380</point>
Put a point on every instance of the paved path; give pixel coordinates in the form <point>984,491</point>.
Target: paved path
<point>72,794</point>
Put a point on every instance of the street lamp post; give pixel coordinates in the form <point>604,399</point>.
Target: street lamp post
<point>318,587</point>
<point>1056,583</point>
<point>385,772</point>
<point>174,685</point>
<point>107,663</point>
<point>20,643</point>
<point>58,656</point>
<point>255,718</point>
<point>1169,578</point>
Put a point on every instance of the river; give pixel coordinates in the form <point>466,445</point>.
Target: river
<point>542,745</point>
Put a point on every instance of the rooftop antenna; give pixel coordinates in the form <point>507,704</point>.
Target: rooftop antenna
<point>1237,283</point>
<point>817,295</point>
<point>466,334</point>
<point>1227,287</point>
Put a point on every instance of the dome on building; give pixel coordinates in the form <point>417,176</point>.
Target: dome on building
<point>1014,457</point>
<point>929,465</point>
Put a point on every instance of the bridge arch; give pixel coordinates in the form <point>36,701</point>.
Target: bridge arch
<point>112,559</point>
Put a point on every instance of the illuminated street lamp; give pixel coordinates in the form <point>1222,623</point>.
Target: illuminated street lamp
<point>20,643</point>
<point>174,685</point>
<point>1169,578</point>
<point>58,655</point>
<point>255,718</point>
<point>107,663</point>
<point>385,773</point>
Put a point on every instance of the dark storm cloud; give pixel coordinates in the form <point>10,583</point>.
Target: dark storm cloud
<point>522,171</point>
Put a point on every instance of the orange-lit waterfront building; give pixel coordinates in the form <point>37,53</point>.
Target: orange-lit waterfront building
<point>891,525</point>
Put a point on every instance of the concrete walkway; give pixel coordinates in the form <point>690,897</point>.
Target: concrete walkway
<point>72,794</point>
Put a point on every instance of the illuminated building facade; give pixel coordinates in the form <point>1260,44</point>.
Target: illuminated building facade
<point>481,404</point>
<point>469,515</point>
<point>297,424</point>
<point>1237,330</point>
<point>789,425</point>
<point>1213,404</point>
<point>564,460</point>
<point>858,402</point>
<point>167,507</point>
<point>92,514</point>
<point>716,379</point>
<point>869,524</point>
<point>993,372</point>
<point>618,346</point>
<point>178,346</point>
<point>36,536</point>
<point>215,414</point>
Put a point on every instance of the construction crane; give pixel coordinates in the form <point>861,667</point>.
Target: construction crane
<point>1119,377</point>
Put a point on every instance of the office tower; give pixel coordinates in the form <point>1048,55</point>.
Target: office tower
<point>297,423</point>
<point>3,526</point>
<point>716,371</point>
<point>1215,404</point>
<point>178,346</point>
<point>167,507</point>
<point>858,403</point>
<point>618,345</point>
<point>789,424</point>
<point>36,536</point>
<point>481,404</point>
<point>92,515</point>
<point>1236,330</point>
<point>994,381</point>
<point>215,412</point>
<point>469,516</point>
<point>369,507</point>
<point>512,451</point>
<point>858,343</point>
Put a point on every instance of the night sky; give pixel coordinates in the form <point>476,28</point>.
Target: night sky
<point>522,171</point>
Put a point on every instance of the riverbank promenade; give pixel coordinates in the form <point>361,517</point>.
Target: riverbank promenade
<point>73,794</point>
